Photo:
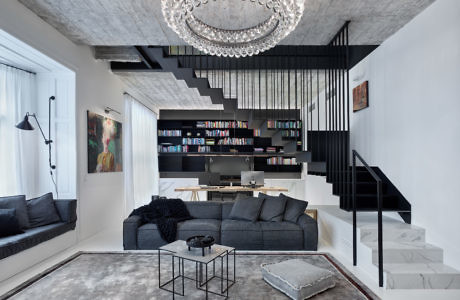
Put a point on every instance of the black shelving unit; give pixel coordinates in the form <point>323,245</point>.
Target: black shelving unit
<point>194,161</point>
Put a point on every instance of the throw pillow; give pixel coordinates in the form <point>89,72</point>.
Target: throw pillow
<point>294,208</point>
<point>42,211</point>
<point>273,208</point>
<point>9,224</point>
<point>247,209</point>
<point>19,203</point>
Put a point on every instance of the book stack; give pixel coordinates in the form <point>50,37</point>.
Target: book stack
<point>258,149</point>
<point>169,132</point>
<point>210,142</point>
<point>236,141</point>
<point>192,141</point>
<point>281,161</point>
<point>218,133</point>
<point>271,149</point>
<point>177,148</point>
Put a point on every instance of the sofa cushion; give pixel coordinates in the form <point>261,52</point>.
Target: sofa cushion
<point>243,235</point>
<point>194,227</point>
<point>247,209</point>
<point>297,279</point>
<point>282,236</point>
<point>31,237</point>
<point>9,224</point>
<point>226,209</point>
<point>41,211</point>
<point>19,203</point>
<point>272,208</point>
<point>204,209</point>
<point>149,238</point>
<point>294,208</point>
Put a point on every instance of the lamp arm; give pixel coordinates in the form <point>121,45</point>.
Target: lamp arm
<point>39,127</point>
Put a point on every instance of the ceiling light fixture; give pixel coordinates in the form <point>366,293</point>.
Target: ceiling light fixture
<point>285,15</point>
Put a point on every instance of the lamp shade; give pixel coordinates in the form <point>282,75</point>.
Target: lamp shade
<point>25,124</point>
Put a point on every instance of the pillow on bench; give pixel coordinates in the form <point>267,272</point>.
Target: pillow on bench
<point>9,224</point>
<point>41,211</point>
<point>20,205</point>
<point>294,208</point>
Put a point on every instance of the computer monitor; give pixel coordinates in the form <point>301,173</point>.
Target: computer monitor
<point>250,178</point>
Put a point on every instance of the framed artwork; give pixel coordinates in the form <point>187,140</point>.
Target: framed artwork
<point>361,96</point>
<point>104,144</point>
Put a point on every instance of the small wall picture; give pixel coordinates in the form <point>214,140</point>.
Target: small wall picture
<point>104,144</point>
<point>361,96</point>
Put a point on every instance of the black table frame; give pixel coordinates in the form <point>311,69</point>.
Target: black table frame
<point>199,266</point>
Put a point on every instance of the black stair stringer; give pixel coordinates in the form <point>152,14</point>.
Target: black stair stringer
<point>172,64</point>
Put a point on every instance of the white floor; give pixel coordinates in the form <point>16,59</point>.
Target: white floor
<point>112,241</point>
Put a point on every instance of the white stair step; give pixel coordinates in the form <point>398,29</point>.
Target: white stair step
<point>393,232</point>
<point>406,252</point>
<point>421,276</point>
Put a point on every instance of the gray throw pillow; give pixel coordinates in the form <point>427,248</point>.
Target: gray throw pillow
<point>42,211</point>
<point>18,203</point>
<point>247,209</point>
<point>273,208</point>
<point>294,208</point>
<point>9,224</point>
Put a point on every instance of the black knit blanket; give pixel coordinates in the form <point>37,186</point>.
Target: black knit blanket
<point>165,213</point>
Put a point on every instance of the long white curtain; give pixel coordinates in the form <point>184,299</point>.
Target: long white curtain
<point>17,147</point>
<point>140,154</point>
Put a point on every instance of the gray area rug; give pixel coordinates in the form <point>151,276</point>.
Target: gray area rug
<point>135,276</point>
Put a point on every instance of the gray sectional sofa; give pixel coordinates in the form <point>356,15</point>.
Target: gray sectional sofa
<point>212,218</point>
<point>67,210</point>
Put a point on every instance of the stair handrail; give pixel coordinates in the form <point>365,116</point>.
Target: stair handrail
<point>378,180</point>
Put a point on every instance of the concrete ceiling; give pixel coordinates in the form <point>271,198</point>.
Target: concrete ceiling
<point>164,91</point>
<point>140,22</point>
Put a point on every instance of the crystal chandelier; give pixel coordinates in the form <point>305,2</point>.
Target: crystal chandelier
<point>285,15</point>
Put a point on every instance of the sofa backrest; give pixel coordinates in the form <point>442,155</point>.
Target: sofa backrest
<point>204,209</point>
<point>226,209</point>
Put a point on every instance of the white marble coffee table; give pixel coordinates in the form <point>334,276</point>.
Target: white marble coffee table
<point>179,249</point>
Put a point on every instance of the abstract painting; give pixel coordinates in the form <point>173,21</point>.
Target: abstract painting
<point>104,144</point>
<point>361,96</point>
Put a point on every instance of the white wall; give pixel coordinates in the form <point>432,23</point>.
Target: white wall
<point>100,196</point>
<point>411,129</point>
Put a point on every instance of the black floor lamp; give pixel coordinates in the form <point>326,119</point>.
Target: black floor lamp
<point>25,125</point>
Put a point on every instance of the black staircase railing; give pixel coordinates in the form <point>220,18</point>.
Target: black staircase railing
<point>379,212</point>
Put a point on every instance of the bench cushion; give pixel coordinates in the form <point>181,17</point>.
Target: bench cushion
<point>19,203</point>
<point>297,278</point>
<point>31,237</point>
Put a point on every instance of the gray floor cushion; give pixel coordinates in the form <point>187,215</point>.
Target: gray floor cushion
<point>297,278</point>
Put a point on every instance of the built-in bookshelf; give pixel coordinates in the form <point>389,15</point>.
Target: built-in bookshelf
<point>183,144</point>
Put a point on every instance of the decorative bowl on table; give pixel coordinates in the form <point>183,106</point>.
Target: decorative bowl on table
<point>200,242</point>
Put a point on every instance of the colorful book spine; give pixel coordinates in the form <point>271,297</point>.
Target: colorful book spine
<point>236,141</point>
<point>282,161</point>
<point>192,141</point>
<point>173,149</point>
<point>169,132</point>
<point>218,133</point>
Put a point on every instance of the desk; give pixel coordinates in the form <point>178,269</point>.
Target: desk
<point>227,189</point>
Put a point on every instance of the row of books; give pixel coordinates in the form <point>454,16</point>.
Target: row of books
<point>176,148</point>
<point>192,141</point>
<point>236,141</point>
<point>281,161</point>
<point>271,149</point>
<point>257,132</point>
<point>204,149</point>
<point>290,133</point>
<point>169,132</point>
<point>222,124</point>
<point>218,132</point>
<point>284,124</point>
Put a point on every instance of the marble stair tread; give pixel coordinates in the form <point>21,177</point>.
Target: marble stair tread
<point>406,252</point>
<point>405,234</point>
<point>419,268</point>
<point>421,276</point>
<point>398,245</point>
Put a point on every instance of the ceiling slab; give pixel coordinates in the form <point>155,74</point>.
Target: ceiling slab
<point>164,91</point>
<point>140,22</point>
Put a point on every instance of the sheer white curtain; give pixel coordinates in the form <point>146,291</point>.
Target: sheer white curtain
<point>140,154</point>
<point>17,147</point>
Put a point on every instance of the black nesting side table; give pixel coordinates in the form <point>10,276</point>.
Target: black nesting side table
<point>179,252</point>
